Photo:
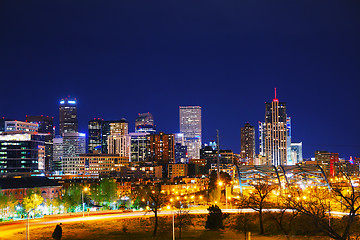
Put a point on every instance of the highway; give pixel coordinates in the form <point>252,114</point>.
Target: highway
<point>9,228</point>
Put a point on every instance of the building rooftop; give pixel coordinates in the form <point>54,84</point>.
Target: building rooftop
<point>27,182</point>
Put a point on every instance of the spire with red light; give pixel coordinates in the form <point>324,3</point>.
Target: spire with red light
<point>275,99</point>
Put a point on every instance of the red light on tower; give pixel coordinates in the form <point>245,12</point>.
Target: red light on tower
<point>275,99</point>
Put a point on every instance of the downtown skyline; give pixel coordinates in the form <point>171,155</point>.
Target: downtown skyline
<point>121,59</point>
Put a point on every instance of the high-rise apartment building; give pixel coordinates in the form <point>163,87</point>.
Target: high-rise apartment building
<point>274,133</point>
<point>161,148</point>
<point>58,152</point>
<point>190,126</point>
<point>145,123</point>
<point>248,143</point>
<point>68,116</point>
<point>95,135</point>
<point>120,127</point>
<point>119,144</point>
<point>139,145</point>
<point>119,140</point>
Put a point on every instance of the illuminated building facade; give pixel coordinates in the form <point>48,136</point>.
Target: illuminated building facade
<point>68,116</point>
<point>94,164</point>
<point>46,127</point>
<point>120,127</point>
<point>19,126</point>
<point>181,155</point>
<point>327,160</point>
<point>248,143</point>
<point>296,153</point>
<point>273,135</point>
<point>45,124</point>
<point>22,153</point>
<point>145,123</point>
<point>139,145</point>
<point>119,144</point>
<point>95,135</point>
<point>58,152</point>
<point>190,126</point>
<point>161,148</point>
<point>74,144</point>
<point>177,170</point>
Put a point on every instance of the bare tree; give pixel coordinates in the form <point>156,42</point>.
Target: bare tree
<point>318,203</point>
<point>156,200</point>
<point>183,218</point>
<point>257,200</point>
<point>283,216</point>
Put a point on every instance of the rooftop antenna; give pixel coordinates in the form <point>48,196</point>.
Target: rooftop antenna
<point>275,99</point>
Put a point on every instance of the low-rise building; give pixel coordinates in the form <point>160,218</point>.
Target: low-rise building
<point>19,187</point>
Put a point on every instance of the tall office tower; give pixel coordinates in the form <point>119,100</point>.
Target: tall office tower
<point>161,148</point>
<point>190,126</point>
<point>58,152</point>
<point>95,135</point>
<point>288,141</point>
<point>296,153</point>
<point>274,133</point>
<point>119,140</point>
<point>119,144</point>
<point>139,145</point>
<point>45,127</point>
<point>248,143</point>
<point>112,127</point>
<point>105,132</point>
<point>74,144</point>
<point>22,152</point>
<point>180,149</point>
<point>68,116</point>
<point>120,127</point>
<point>145,123</point>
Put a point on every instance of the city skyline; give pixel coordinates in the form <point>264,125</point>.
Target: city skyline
<point>126,59</point>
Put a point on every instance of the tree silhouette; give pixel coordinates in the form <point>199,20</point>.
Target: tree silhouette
<point>257,200</point>
<point>316,204</point>
<point>214,219</point>
<point>183,218</point>
<point>156,200</point>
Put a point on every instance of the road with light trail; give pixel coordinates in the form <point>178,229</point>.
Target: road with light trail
<point>9,228</point>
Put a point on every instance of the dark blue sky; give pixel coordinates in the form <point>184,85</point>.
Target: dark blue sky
<point>119,58</point>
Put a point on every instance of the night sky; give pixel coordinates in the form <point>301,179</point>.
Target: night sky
<point>120,58</point>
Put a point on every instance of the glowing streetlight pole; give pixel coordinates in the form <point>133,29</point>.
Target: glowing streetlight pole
<point>82,197</point>
<point>173,221</point>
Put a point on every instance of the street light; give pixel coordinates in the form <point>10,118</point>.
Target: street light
<point>82,198</point>
<point>173,221</point>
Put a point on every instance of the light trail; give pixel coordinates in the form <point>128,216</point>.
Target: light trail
<point>8,228</point>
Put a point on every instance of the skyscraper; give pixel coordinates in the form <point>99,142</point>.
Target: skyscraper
<point>161,148</point>
<point>68,116</point>
<point>274,133</point>
<point>145,123</point>
<point>46,127</point>
<point>248,143</point>
<point>95,135</point>
<point>190,126</point>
